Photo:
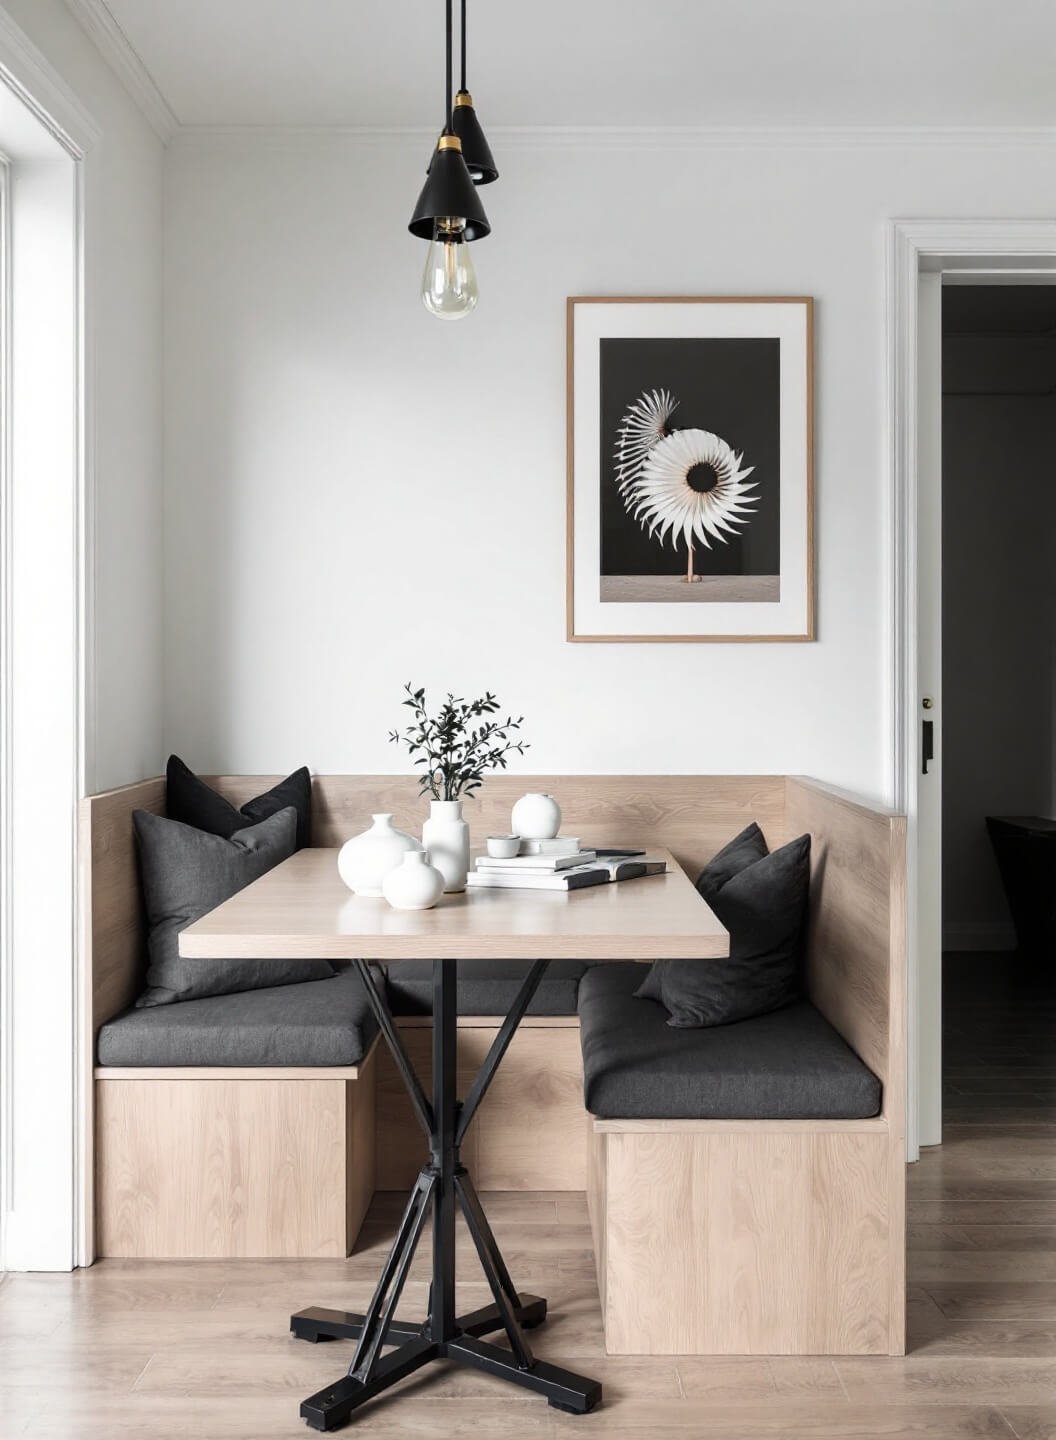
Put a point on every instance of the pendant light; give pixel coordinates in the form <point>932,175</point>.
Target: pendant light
<point>449,215</point>
<point>475,149</point>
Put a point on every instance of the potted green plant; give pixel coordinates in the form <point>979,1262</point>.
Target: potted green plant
<point>456,748</point>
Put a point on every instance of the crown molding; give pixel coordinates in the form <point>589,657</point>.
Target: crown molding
<point>97,21</point>
<point>621,137</point>
<point>43,91</point>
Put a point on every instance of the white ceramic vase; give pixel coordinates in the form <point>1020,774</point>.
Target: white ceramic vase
<point>446,836</point>
<point>415,884</point>
<point>365,860</point>
<point>536,817</point>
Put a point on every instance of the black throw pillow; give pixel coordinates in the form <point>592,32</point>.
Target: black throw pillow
<point>736,855</point>
<point>193,802</point>
<point>187,872</point>
<point>764,908</point>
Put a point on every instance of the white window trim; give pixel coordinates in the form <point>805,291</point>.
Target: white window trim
<point>60,1235</point>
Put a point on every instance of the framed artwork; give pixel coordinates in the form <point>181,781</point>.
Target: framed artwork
<point>690,469</point>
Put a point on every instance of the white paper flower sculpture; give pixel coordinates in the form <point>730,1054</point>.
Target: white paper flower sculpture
<point>687,484</point>
<point>643,425</point>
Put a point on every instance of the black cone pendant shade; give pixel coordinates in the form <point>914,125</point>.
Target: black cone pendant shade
<point>475,149</point>
<point>449,193</point>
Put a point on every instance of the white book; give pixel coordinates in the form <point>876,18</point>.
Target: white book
<point>544,864</point>
<point>576,878</point>
<point>559,845</point>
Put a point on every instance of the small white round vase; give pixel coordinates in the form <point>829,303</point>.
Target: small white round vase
<point>536,817</point>
<point>365,860</point>
<point>446,836</point>
<point>414,885</point>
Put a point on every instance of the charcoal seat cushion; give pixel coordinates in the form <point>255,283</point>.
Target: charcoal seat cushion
<point>485,987</point>
<point>324,1022</point>
<point>789,1064</point>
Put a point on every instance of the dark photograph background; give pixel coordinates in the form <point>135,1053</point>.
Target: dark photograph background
<point>731,387</point>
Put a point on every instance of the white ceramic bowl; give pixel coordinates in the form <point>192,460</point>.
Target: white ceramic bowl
<point>503,847</point>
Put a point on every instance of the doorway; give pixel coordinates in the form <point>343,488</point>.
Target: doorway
<point>998,679</point>
<point>925,256</point>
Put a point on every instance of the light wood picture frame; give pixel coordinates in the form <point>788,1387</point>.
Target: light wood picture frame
<point>690,502</point>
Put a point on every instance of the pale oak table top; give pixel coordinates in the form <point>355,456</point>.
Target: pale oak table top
<point>303,910</point>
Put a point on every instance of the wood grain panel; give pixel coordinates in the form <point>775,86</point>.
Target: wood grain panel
<point>856,964</point>
<point>691,815</point>
<point>741,1244</point>
<point>530,1126</point>
<point>360,1144</point>
<point>528,1133</point>
<point>856,937</point>
<point>221,1168</point>
<point>110,894</point>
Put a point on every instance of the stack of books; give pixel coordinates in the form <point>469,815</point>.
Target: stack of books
<point>560,864</point>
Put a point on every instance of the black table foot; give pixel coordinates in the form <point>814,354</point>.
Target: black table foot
<point>330,1408</point>
<point>562,1388</point>
<point>530,1310</point>
<point>317,1324</point>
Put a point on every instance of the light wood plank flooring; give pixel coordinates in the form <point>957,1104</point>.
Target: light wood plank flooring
<point>200,1351</point>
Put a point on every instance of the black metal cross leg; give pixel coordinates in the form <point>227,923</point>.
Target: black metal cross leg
<point>442,1185</point>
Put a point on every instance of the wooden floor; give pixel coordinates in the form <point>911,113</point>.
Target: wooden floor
<point>159,1351</point>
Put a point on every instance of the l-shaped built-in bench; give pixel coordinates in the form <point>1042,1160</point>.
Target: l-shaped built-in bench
<point>260,1124</point>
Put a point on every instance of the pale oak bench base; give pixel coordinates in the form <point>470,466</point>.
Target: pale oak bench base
<point>162,1135</point>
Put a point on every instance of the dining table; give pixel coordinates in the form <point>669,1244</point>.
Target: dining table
<point>302,909</point>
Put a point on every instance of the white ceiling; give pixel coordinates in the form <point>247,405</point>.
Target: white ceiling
<point>602,62</point>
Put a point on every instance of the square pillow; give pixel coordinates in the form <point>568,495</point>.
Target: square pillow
<point>764,908</point>
<point>736,855</point>
<point>187,872</point>
<point>193,802</point>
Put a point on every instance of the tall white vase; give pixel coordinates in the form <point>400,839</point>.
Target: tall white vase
<point>446,836</point>
<point>365,860</point>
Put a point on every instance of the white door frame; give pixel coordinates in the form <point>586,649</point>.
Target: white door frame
<point>43,1134</point>
<point>987,248</point>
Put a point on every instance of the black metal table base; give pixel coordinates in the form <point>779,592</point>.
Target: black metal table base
<point>442,1185</point>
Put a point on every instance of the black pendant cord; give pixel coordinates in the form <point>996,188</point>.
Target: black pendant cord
<point>447,74</point>
<point>463,85</point>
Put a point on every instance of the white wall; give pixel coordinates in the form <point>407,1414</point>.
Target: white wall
<point>999,617</point>
<point>123,260</point>
<point>357,494</point>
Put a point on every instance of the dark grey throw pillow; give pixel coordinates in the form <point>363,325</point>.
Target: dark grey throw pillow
<point>187,872</point>
<point>736,855</point>
<point>764,908</point>
<point>191,801</point>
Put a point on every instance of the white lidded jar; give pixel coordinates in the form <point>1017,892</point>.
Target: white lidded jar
<point>446,836</point>
<point>536,817</point>
<point>414,885</point>
<point>365,860</point>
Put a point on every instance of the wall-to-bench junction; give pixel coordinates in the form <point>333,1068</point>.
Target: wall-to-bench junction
<point>262,1123</point>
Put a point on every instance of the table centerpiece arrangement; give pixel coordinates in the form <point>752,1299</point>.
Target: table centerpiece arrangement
<point>456,747</point>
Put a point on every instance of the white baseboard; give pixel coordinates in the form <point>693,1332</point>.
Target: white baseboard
<point>978,935</point>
